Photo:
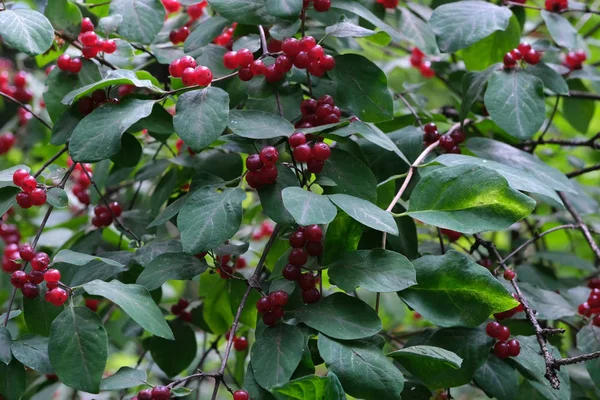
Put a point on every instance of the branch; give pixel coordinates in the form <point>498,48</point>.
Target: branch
<point>578,359</point>
<point>548,125</point>
<point>583,171</point>
<point>51,160</point>
<point>71,41</point>
<point>560,142</point>
<point>23,106</point>
<point>582,226</point>
<point>537,236</point>
<point>410,108</point>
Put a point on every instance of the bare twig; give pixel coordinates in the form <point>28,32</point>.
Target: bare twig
<point>578,359</point>
<point>548,125</point>
<point>51,160</point>
<point>584,171</point>
<point>410,108</point>
<point>537,236</point>
<point>582,226</point>
<point>23,106</point>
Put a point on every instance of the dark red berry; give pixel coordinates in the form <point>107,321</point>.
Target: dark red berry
<point>458,136</point>
<point>321,151</point>
<point>314,166</point>
<point>26,252</point>
<point>270,319</point>
<point>291,272</point>
<point>278,298</point>
<point>509,274</point>
<point>57,296</point>
<point>24,200</point>
<point>145,394</point>
<point>501,350</point>
<point>297,240</point>
<point>509,61</point>
<point>532,57</point>
<point>291,47</point>
<point>40,261</point>
<point>245,74</point>
<point>307,281</point>
<point>298,257</point>
<point>263,305</point>
<point>203,75</point>
<point>240,343</point>
<point>36,277</point>
<point>514,348</point>
<point>115,207</point>
<point>28,184</point>
<point>313,233</point>
<point>241,395</point>
<point>161,393</point>
<point>30,290</point>
<point>18,279</point>
<point>302,153</point>
<point>322,5</point>
<point>244,57</point>
<point>269,155</point>
<point>524,48</point>
<point>297,139</point>
<point>38,197</point>
<point>307,43</point>
<point>503,333</point>
<point>311,295</point>
<point>493,329</point>
<point>314,249</point>
<point>253,162</point>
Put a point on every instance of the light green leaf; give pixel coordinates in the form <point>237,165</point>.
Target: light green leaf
<point>560,29</point>
<point>425,362</point>
<point>135,300</point>
<point>308,208</point>
<point>376,270</point>
<point>366,213</point>
<point>254,124</point>
<point>26,30</point>
<point>307,387</point>
<point>168,267</point>
<point>249,12</point>
<point>124,378</point>
<point>417,32</point>
<point>142,19</point>
<point>74,258</point>
<point>346,28</point>
<point>286,9</point>
<point>64,16</point>
<point>363,12</point>
<point>57,197</point>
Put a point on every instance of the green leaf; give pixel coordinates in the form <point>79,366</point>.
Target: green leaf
<point>201,117</point>
<point>552,80</point>
<point>146,254</point>
<point>468,199</point>
<point>99,269</point>
<point>172,210</point>
<point>342,237</point>
<point>376,270</point>
<point>508,155</point>
<point>142,19</point>
<point>271,198</point>
<point>473,84</point>
<point>254,124</point>
<point>515,100</point>
<point>223,211</point>
<point>560,29</point>
<point>373,135</point>
<point>135,300</point>
<point>548,304</point>
<point>417,31</point>
<point>124,378</point>
<point>578,112</point>
<point>362,369</point>
<point>112,78</point>
<point>286,9</point>
<point>168,267</point>
<point>32,351</point>
<point>74,258</point>
<point>12,380</point>
<point>64,16</point>
<point>78,358</point>
<point>452,290</point>
<point>181,392</point>
<point>276,354</point>
<point>492,49</point>
<point>588,341</point>
<point>346,28</point>
<point>6,175</point>
<point>8,199</point>
<point>497,379</point>
<point>366,213</point>
<point>307,387</point>
<point>363,12</point>
<point>39,315</point>
<point>249,12</point>
<point>461,24</point>
<point>26,30</point>
<point>98,135</point>
<point>205,33</point>
<point>362,88</point>
<point>426,362</point>
<point>57,197</point>
<point>129,153</point>
<point>341,317</point>
<point>517,179</point>
<point>344,169</point>
<point>5,342</point>
<point>183,345</point>
<point>471,345</point>
<point>308,208</point>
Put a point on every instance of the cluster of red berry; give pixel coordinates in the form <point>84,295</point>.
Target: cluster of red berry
<point>318,112</point>
<point>419,61</point>
<point>179,309</point>
<point>575,59</point>
<point>240,343</point>
<point>179,35</point>
<point>522,52</point>
<point>503,348</point>
<point>190,74</point>
<point>225,39</point>
<point>389,3</point>
<point>271,307</point>
<point>314,156</point>
<point>307,54</point>
<point>556,5</point>
<point>31,194</point>
<point>157,392</point>
<point>87,104</point>
<point>82,181</point>
<point>261,167</point>
<point>265,231</point>
<point>592,305</point>
<point>226,265</point>
<point>449,142</point>
<point>319,5</point>
<point>68,64</point>
<point>103,216</point>
<point>18,89</point>
<point>92,44</point>
<point>10,236</point>
<point>509,313</point>
<point>305,241</point>
<point>7,141</point>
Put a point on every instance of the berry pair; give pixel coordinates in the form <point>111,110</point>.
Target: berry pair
<point>271,307</point>
<point>449,143</point>
<point>575,59</point>
<point>417,60</point>
<point>319,5</point>
<point>177,36</point>
<point>7,141</point>
<point>389,3</point>
<point>68,64</point>
<point>225,39</point>
<point>82,181</point>
<point>307,54</point>
<point>556,5</point>
<point>87,104</point>
<point>261,168</point>
<point>503,348</point>
<point>190,74</point>
<point>314,156</point>
<point>156,393</point>
<point>103,216</point>
<point>318,112</point>
<point>31,194</point>
<point>522,52</point>
<point>179,309</point>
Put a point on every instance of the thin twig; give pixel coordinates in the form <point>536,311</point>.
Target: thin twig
<point>23,106</point>
<point>51,160</point>
<point>532,149</point>
<point>411,109</point>
<point>583,171</point>
<point>582,226</point>
<point>578,359</point>
<point>441,239</point>
<point>537,236</point>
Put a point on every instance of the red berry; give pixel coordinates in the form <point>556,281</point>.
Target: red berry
<point>26,252</point>
<point>298,257</point>
<point>291,272</point>
<point>24,200</point>
<point>452,235</point>
<point>36,277</point>
<point>86,25</point>
<point>18,279</point>
<point>532,57</point>
<point>581,56</point>
<point>20,79</point>
<point>313,233</point>
<point>524,48</point>
<point>594,300</point>
<point>458,136</point>
<point>28,184</point>
<point>244,57</point>
<point>516,53</point>
<point>301,60</point>
<point>89,51</point>
<point>89,38</point>
<point>109,46</point>
<point>253,162</point>
<point>64,62</point>
<point>307,43</point>
<point>509,61</point>
<point>240,343</point>
<point>19,176</point>
<point>241,395</point>
<point>327,62</point>
<point>307,281</point>
<point>245,74</point>
<point>30,290</point>
<point>297,240</point>
<point>291,47</point>
<point>145,394</point>
<point>230,60</point>
<point>509,274</point>
<point>514,348</point>
<point>52,275</point>
<point>314,166</point>
<point>596,320</point>
<point>584,309</point>
<point>446,142</point>
<point>278,298</point>
<point>99,96</point>
<point>322,5</point>
<point>320,151</point>
<point>263,305</point>
<point>40,261</point>
<point>176,69</point>
<point>257,68</point>
<point>308,107</point>
<point>316,52</point>
<point>38,197</point>
<point>297,139</point>
<point>161,393</point>
<point>270,319</point>
<point>501,350</point>
<point>314,249</point>
<point>311,295</point>
<point>269,155</point>
<point>430,128</point>
<point>57,296</point>
<point>116,209</point>
<point>503,333</point>
<point>203,76</point>
<point>302,153</point>
<point>493,329</point>
<point>85,105</point>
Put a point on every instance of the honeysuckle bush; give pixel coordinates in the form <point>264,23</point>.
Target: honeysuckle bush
<point>288,199</point>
